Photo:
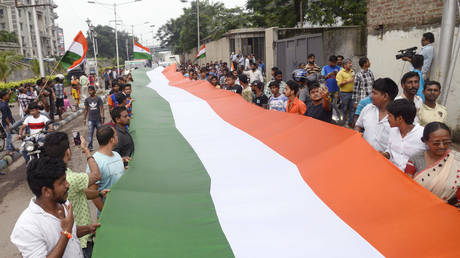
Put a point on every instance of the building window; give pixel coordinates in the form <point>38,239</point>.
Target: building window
<point>1,13</point>
<point>3,25</point>
<point>20,25</point>
<point>19,12</point>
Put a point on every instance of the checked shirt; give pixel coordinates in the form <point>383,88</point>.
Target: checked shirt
<point>364,80</point>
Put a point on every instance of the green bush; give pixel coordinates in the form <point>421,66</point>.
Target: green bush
<point>9,85</point>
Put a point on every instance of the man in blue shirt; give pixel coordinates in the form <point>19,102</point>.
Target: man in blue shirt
<point>7,119</point>
<point>329,72</point>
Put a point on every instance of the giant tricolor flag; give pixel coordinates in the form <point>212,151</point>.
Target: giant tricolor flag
<point>76,53</point>
<point>201,53</point>
<point>141,52</point>
<point>216,176</point>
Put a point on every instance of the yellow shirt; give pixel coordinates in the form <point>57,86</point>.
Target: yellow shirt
<point>343,76</point>
<point>427,115</point>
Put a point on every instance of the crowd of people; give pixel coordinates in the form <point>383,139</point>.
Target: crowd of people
<point>407,127</point>
<point>57,222</point>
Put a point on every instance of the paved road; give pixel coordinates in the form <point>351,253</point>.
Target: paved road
<point>15,194</point>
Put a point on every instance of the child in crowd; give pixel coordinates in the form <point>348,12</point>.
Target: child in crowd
<point>319,107</point>
<point>67,104</point>
<point>277,100</point>
<point>405,137</point>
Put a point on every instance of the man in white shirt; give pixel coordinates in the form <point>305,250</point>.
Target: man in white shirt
<point>405,137</point>
<point>254,74</point>
<point>373,119</point>
<point>46,228</point>
<point>35,121</point>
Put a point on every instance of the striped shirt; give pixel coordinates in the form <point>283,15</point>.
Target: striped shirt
<point>364,81</point>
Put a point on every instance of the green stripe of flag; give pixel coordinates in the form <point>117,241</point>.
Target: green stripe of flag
<point>69,58</point>
<point>161,206</point>
<point>140,55</point>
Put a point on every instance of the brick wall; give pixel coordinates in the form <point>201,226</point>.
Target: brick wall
<point>402,14</point>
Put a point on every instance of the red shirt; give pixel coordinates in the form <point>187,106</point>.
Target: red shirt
<point>296,107</point>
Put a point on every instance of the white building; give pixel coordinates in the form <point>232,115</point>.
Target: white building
<point>20,21</point>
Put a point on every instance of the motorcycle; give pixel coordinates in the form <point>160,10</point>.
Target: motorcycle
<point>33,145</point>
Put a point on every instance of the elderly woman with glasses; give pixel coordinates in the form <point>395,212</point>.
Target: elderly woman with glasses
<point>437,168</point>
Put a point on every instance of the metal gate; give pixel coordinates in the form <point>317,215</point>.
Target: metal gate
<point>293,51</point>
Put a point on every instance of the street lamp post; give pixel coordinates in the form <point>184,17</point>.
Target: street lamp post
<point>92,35</point>
<point>116,31</point>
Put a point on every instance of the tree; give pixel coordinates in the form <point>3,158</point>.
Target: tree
<point>106,43</point>
<point>9,62</point>
<point>35,67</point>
<point>180,34</point>
<point>282,13</point>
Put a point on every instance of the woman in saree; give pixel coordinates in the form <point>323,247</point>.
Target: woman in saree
<point>437,168</point>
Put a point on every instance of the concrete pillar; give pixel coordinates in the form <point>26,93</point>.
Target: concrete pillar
<point>271,35</point>
<point>19,32</point>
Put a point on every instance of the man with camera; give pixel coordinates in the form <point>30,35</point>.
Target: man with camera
<point>427,52</point>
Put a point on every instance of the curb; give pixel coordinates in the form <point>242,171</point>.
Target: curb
<point>8,159</point>
<point>60,124</point>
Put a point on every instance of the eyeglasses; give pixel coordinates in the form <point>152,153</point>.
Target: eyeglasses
<point>438,143</point>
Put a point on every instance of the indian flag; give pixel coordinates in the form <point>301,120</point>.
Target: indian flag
<point>216,176</point>
<point>141,52</point>
<point>76,53</point>
<point>201,53</point>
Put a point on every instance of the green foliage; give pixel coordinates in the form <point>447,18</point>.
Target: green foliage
<point>6,36</point>
<point>282,13</point>
<point>180,34</point>
<point>106,43</point>
<point>9,85</point>
<point>35,67</point>
<point>9,62</point>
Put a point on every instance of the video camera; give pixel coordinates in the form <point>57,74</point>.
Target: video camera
<point>410,52</point>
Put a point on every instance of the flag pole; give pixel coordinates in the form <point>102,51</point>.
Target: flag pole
<point>48,77</point>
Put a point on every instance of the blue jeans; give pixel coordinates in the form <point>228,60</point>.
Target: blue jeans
<point>347,105</point>
<point>9,140</point>
<point>92,125</point>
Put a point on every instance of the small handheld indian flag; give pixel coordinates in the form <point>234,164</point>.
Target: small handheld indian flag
<point>201,53</point>
<point>141,52</point>
<point>76,53</point>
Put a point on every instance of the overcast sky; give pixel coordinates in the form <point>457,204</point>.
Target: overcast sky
<point>74,13</point>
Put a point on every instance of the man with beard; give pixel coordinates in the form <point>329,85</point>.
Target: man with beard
<point>46,227</point>
<point>254,74</point>
<point>410,83</point>
<point>311,67</point>
<point>125,146</point>
<point>57,146</point>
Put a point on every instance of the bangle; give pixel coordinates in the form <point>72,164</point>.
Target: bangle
<point>87,159</point>
<point>66,234</point>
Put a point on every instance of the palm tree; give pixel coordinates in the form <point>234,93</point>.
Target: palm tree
<point>9,62</point>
